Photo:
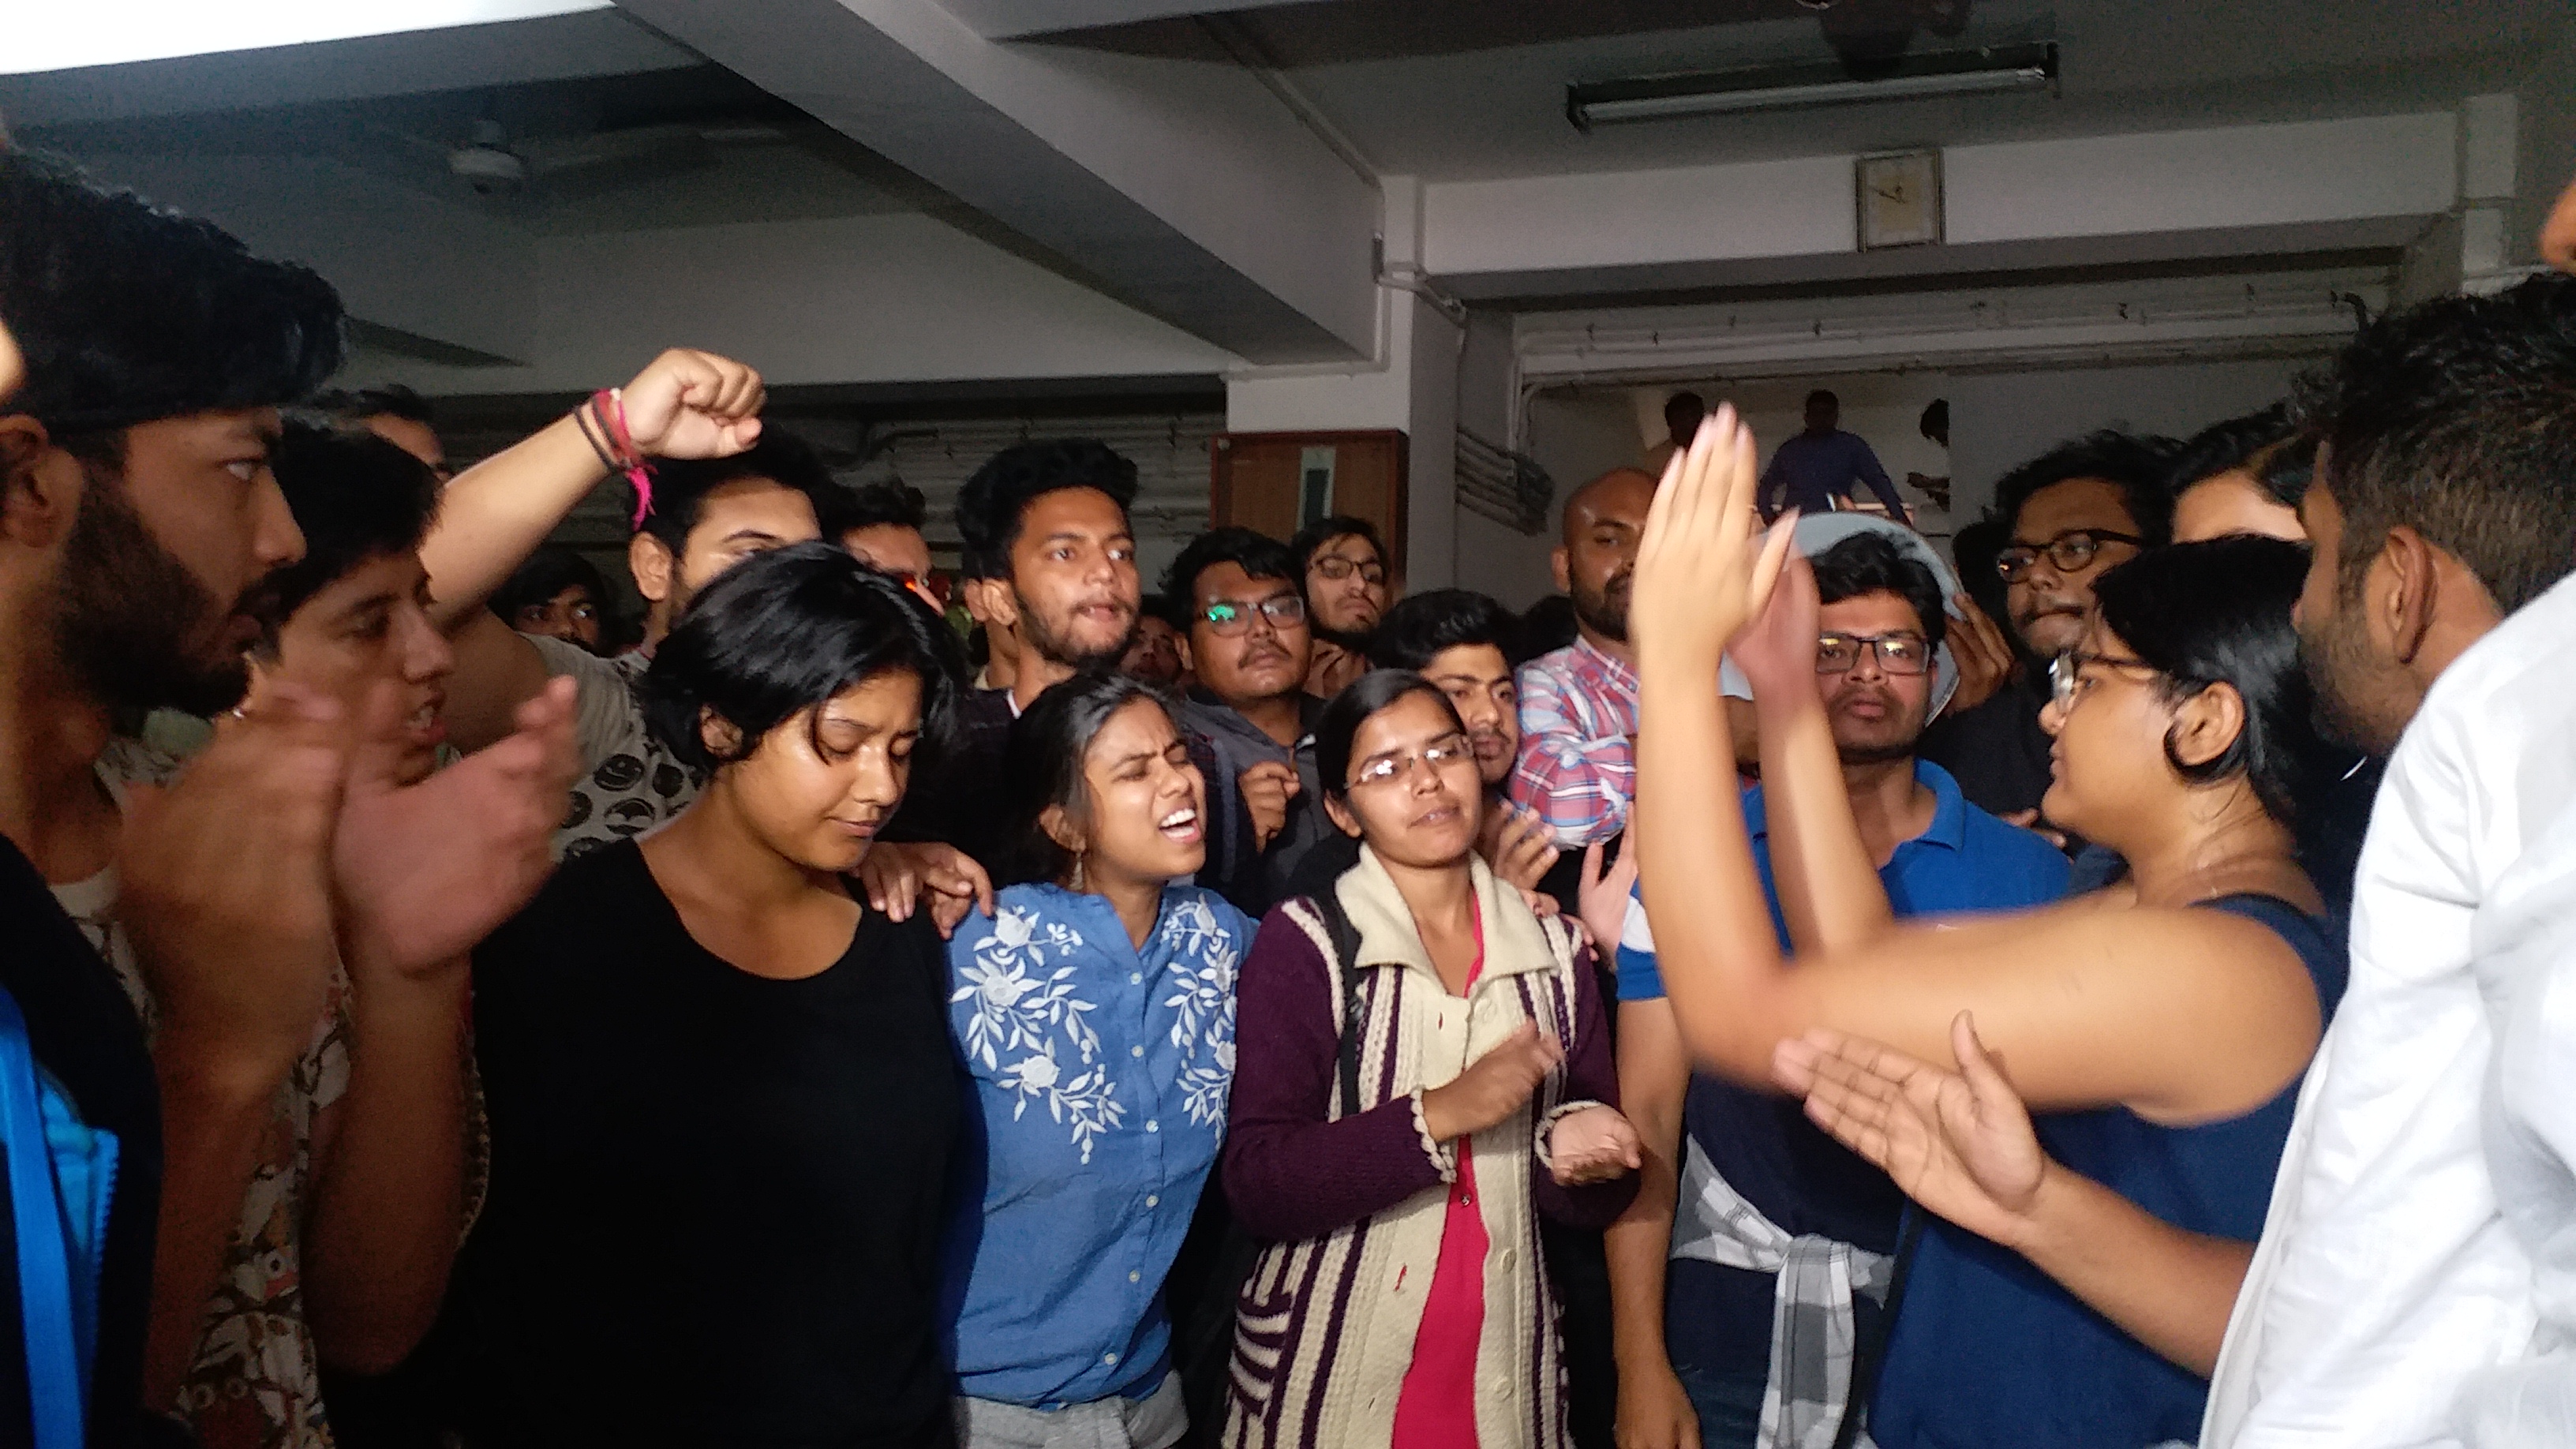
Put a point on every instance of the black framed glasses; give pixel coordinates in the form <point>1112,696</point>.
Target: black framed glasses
<point>2070,552</point>
<point>2066,673</point>
<point>1337,568</point>
<point>1227,618</point>
<point>1902,653</point>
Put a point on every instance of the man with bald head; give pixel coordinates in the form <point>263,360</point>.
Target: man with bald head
<point>1578,705</point>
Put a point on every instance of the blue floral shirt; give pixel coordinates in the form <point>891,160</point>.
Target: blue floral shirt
<point>1100,1077</point>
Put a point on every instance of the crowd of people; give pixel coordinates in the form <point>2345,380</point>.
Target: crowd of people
<point>2107,986</point>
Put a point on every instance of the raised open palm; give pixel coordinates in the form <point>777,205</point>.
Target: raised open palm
<point>1699,577</point>
<point>1960,1143</point>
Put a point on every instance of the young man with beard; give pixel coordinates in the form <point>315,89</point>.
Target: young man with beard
<point>1249,646</point>
<point>1043,538</point>
<point>1342,563</point>
<point>2074,511</point>
<point>1578,705</point>
<point>1698,1267</point>
<point>140,527</point>
<point>2409,1286</point>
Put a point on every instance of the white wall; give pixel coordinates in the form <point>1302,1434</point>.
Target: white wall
<point>1576,437</point>
<point>1884,408</point>
<point>2171,181</point>
<point>1999,420</point>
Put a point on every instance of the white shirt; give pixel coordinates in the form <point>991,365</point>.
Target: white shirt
<point>2525,940</point>
<point>2386,1276</point>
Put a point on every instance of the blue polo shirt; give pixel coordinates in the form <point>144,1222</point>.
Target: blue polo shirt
<point>1717,1320</point>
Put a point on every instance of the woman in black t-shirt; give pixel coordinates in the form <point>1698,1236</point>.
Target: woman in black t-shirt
<point>721,1089</point>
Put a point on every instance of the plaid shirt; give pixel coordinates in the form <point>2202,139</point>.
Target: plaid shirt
<point>1578,766</point>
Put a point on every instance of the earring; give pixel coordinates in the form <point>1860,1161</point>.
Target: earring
<point>1077,871</point>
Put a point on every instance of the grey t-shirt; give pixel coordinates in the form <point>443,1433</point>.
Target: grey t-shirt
<point>630,783</point>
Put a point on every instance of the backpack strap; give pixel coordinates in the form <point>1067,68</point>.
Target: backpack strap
<point>1345,939</point>
<point>56,1397</point>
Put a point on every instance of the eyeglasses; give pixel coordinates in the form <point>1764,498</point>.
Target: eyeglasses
<point>2065,673</point>
<point>1897,653</point>
<point>1227,619</point>
<point>1337,568</point>
<point>2070,552</point>
<point>1438,754</point>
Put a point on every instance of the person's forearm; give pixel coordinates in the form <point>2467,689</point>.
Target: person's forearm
<point>1637,1246</point>
<point>216,1112</point>
<point>1653,1086</point>
<point>2170,1289</point>
<point>496,513</point>
<point>1829,890</point>
<point>389,1201</point>
<point>1720,962</point>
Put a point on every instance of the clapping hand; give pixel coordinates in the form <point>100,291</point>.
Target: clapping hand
<point>1985,658</point>
<point>1700,578</point>
<point>1958,1142</point>
<point>1492,1089</point>
<point>1518,845</point>
<point>1604,896</point>
<point>224,883</point>
<point>1595,1144</point>
<point>1777,651</point>
<point>426,871</point>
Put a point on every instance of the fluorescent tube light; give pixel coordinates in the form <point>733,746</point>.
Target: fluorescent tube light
<point>1798,86</point>
<point>67,36</point>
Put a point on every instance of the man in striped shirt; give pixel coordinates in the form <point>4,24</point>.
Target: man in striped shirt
<point>1578,705</point>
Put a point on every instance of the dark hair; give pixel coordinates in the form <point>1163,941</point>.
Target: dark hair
<point>1870,563</point>
<point>1684,404</point>
<point>784,631</point>
<point>681,486</point>
<point>1166,608</point>
<point>1311,539</point>
<point>2224,446</point>
<point>356,497</point>
<point>1420,626</point>
<point>2457,418</point>
<point>1258,554</point>
<point>2287,469</point>
<point>1050,743</point>
<point>393,400</point>
<point>884,505</point>
<point>2134,463</point>
<point>1340,722</point>
<point>997,497</point>
<point>126,314</point>
<point>1973,550</point>
<point>1825,396</point>
<point>548,572</point>
<point>1546,626</point>
<point>2219,613</point>
<point>1935,422</point>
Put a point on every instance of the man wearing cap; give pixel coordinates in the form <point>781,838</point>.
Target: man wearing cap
<point>1748,1214</point>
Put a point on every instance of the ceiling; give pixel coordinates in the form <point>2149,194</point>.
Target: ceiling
<point>1466,89</point>
<point>1441,89</point>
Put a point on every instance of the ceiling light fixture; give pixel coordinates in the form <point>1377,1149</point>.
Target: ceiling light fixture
<point>1995,69</point>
